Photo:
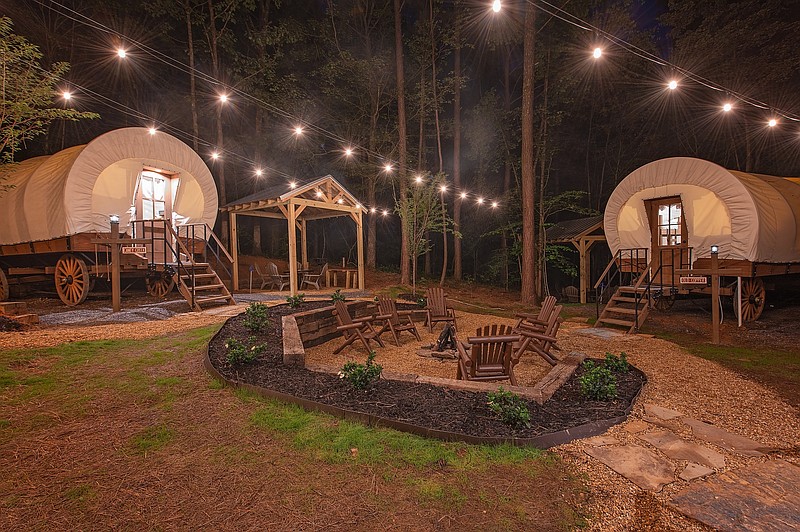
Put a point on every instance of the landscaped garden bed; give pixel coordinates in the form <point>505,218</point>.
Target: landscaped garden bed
<point>422,408</point>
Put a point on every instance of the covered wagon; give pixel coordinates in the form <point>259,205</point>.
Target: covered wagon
<point>667,217</point>
<point>58,212</point>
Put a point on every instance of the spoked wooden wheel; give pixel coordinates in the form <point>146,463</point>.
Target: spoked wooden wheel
<point>72,280</point>
<point>3,286</point>
<point>754,297</point>
<point>159,286</point>
<point>665,303</point>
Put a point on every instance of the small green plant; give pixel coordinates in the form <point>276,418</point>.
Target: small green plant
<point>256,317</point>
<point>296,301</point>
<point>617,364</point>
<point>598,382</point>
<point>510,407</point>
<point>361,375</point>
<point>241,352</point>
<point>339,296</point>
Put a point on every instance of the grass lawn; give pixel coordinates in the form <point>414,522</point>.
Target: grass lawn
<point>134,434</point>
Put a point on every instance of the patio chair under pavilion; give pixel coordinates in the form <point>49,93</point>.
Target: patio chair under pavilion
<point>298,203</point>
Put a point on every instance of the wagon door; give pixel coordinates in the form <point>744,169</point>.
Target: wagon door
<point>669,239</point>
<point>153,203</point>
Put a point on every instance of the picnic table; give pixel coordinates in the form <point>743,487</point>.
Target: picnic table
<point>350,276</point>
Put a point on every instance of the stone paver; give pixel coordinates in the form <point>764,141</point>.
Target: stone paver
<point>726,440</point>
<point>693,471</point>
<point>761,497</point>
<point>599,441</point>
<point>661,412</point>
<point>638,464</point>
<point>599,332</point>
<point>679,449</point>
<point>636,426</point>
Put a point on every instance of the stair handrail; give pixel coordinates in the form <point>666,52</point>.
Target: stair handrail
<point>606,278</point>
<point>208,237</point>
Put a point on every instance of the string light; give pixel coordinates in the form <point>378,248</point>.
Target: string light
<point>418,179</point>
<point>494,205</point>
<point>122,53</point>
<point>388,168</point>
<point>772,122</point>
<point>480,201</point>
<point>340,201</point>
<point>385,212</point>
<point>597,53</point>
<point>66,95</point>
<point>319,193</point>
<point>223,98</point>
<point>215,155</point>
<point>298,130</point>
<point>443,188</point>
<point>358,206</point>
<point>373,210</point>
<point>463,195</point>
<point>727,107</point>
<point>348,152</point>
<point>292,185</point>
<point>497,6</point>
<point>259,172</point>
<point>152,130</point>
<point>672,85</point>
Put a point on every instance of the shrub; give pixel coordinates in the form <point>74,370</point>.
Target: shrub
<point>361,375</point>
<point>338,295</point>
<point>296,301</point>
<point>597,382</point>
<point>241,352</point>
<point>256,317</point>
<point>617,364</point>
<point>510,407</point>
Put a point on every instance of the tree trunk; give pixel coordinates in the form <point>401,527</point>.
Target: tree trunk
<point>402,148</point>
<point>508,161</point>
<point>457,147</point>
<point>192,79</point>
<point>528,293</point>
<point>541,237</point>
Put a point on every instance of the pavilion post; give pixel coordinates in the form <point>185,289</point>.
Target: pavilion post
<point>234,245</point>
<point>360,246</point>
<point>290,217</point>
<point>583,246</point>
<point>303,243</point>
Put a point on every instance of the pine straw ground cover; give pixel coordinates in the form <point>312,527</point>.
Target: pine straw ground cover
<point>132,433</point>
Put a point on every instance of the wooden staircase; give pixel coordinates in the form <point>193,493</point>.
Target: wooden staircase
<point>18,311</point>
<point>200,285</point>
<point>627,308</point>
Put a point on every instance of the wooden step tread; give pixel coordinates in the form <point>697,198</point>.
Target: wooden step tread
<point>213,298</point>
<point>613,321</point>
<point>199,276</point>
<point>209,286</point>
<point>631,300</point>
<point>624,310</point>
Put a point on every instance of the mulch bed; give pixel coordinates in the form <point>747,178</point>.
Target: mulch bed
<point>7,324</point>
<point>424,405</point>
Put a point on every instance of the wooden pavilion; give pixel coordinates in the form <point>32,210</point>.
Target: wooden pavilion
<point>298,203</point>
<point>581,233</point>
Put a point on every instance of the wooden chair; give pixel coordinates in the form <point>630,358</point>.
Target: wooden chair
<point>571,294</point>
<point>356,329</point>
<point>277,279</point>
<point>387,311</point>
<point>313,279</point>
<point>437,308</point>
<point>540,320</point>
<point>538,341</point>
<point>488,355</point>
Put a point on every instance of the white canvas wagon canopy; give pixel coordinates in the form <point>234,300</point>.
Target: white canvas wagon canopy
<point>77,189</point>
<point>749,216</point>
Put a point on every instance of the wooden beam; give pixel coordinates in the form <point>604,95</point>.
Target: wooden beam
<point>263,214</point>
<point>299,210</point>
<point>360,246</point>
<point>234,250</point>
<point>304,243</point>
<point>284,211</point>
<point>327,215</point>
<point>326,206</point>
<point>292,248</point>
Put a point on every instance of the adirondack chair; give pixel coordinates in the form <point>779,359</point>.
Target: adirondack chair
<point>540,342</point>
<point>277,279</point>
<point>356,329</point>
<point>437,308</point>
<point>313,279</point>
<point>540,320</point>
<point>488,355</point>
<point>398,321</point>
<point>263,276</point>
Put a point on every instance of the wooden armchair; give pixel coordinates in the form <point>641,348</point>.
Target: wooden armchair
<point>313,279</point>
<point>277,279</point>
<point>356,329</point>
<point>437,308</point>
<point>387,311</point>
<point>488,355</point>
<point>263,276</point>
<point>539,341</point>
<point>540,320</point>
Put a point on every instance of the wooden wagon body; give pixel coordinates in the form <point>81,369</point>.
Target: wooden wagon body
<point>55,221</point>
<point>665,219</point>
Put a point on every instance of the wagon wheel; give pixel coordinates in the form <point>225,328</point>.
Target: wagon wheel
<point>159,286</point>
<point>72,280</point>
<point>754,297</point>
<point>665,303</point>
<point>3,286</point>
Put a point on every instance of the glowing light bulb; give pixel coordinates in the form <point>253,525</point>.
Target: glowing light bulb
<point>152,130</point>
<point>340,201</point>
<point>772,122</point>
<point>497,6</point>
<point>292,185</point>
<point>358,206</point>
<point>443,188</point>
<point>672,85</point>
<point>215,155</point>
<point>597,53</point>
<point>385,212</point>
<point>319,193</point>
<point>259,172</point>
<point>494,205</point>
<point>463,195</point>
<point>373,210</point>
<point>388,167</point>
<point>727,107</point>
<point>480,201</point>
<point>223,98</point>
<point>122,53</point>
<point>348,151</point>
<point>66,95</point>
<point>298,130</point>
<point>418,179</point>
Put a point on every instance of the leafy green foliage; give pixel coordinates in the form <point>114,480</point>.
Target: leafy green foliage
<point>256,317</point>
<point>361,375</point>
<point>598,383</point>
<point>338,296</point>
<point>296,301</point>
<point>617,364</point>
<point>510,407</point>
<point>242,352</point>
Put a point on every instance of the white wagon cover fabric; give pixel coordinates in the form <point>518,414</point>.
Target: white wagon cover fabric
<point>749,216</point>
<point>77,189</point>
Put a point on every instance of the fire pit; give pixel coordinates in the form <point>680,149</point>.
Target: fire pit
<point>445,346</point>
